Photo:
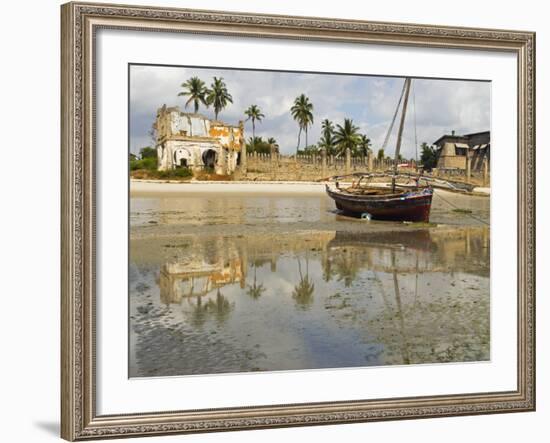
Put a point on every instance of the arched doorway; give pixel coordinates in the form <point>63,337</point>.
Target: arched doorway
<point>182,158</point>
<point>209,158</point>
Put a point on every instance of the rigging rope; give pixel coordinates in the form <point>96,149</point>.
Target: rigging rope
<point>456,207</point>
<point>393,119</point>
<point>415,137</point>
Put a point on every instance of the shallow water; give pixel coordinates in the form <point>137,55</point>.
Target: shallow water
<point>281,282</point>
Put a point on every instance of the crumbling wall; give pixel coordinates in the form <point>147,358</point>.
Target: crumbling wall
<point>184,138</point>
<point>230,137</point>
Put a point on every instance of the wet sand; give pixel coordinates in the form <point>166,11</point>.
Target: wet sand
<point>276,279</point>
<point>171,210</point>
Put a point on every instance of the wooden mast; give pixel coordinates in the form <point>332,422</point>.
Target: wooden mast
<point>400,133</point>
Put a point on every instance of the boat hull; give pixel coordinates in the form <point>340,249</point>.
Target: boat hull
<point>413,206</point>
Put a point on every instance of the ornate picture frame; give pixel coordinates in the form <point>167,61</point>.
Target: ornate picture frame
<point>80,22</point>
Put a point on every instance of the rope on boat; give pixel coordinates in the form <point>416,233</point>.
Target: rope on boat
<point>456,207</point>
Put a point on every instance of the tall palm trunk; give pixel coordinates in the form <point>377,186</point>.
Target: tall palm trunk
<point>253,129</point>
<point>298,146</point>
<point>306,137</point>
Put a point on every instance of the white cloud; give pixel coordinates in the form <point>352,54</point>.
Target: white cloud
<point>440,105</point>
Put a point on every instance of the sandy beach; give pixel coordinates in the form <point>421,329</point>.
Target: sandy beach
<point>144,187</point>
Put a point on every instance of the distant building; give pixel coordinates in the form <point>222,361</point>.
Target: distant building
<point>452,150</point>
<point>193,141</point>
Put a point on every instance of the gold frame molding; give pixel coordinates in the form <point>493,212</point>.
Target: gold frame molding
<point>79,22</point>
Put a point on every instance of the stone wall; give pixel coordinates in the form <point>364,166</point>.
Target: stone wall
<point>450,162</point>
<point>311,167</point>
<point>267,167</point>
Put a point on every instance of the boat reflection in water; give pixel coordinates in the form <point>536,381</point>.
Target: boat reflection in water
<point>216,304</point>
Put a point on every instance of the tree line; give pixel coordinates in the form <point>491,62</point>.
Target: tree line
<point>335,139</point>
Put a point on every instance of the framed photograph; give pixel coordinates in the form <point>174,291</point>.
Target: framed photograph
<point>277,221</point>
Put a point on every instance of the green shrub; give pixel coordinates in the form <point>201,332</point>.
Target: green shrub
<point>182,172</point>
<point>428,157</point>
<point>147,152</point>
<point>162,174</point>
<point>259,145</point>
<point>149,163</point>
<point>174,173</point>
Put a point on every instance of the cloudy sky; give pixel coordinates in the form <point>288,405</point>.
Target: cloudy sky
<point>440,105</point>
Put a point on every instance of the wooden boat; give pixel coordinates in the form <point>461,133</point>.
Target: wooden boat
<point>409,204</point>
<point>384,203</point>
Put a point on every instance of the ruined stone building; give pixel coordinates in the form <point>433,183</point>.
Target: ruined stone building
<point>211,267</point>
<point>193,141</point>
<point>454,150</point>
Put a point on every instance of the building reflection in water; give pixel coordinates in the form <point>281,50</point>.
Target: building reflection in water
<point>187,280</point>
<point>218,262</point>
<point>413,281</point>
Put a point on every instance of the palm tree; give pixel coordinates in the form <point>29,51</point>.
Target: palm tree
<point>195,89</point>
<point>346,136</point>
<point>199,312</point>
<point>302,112</point>
<point>364,144</point>
<point>327,136</point>
<point>254,143</point>
<point>254,113</point>
<point>221,308</point>
<point>218,96</point>
<point>303,291</point>
<point>272,142</point>
<point>255,290</point>
<point>346,267</point>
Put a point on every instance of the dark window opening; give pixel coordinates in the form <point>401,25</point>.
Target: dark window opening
<point>461,151</point>
<point>209,159</point>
